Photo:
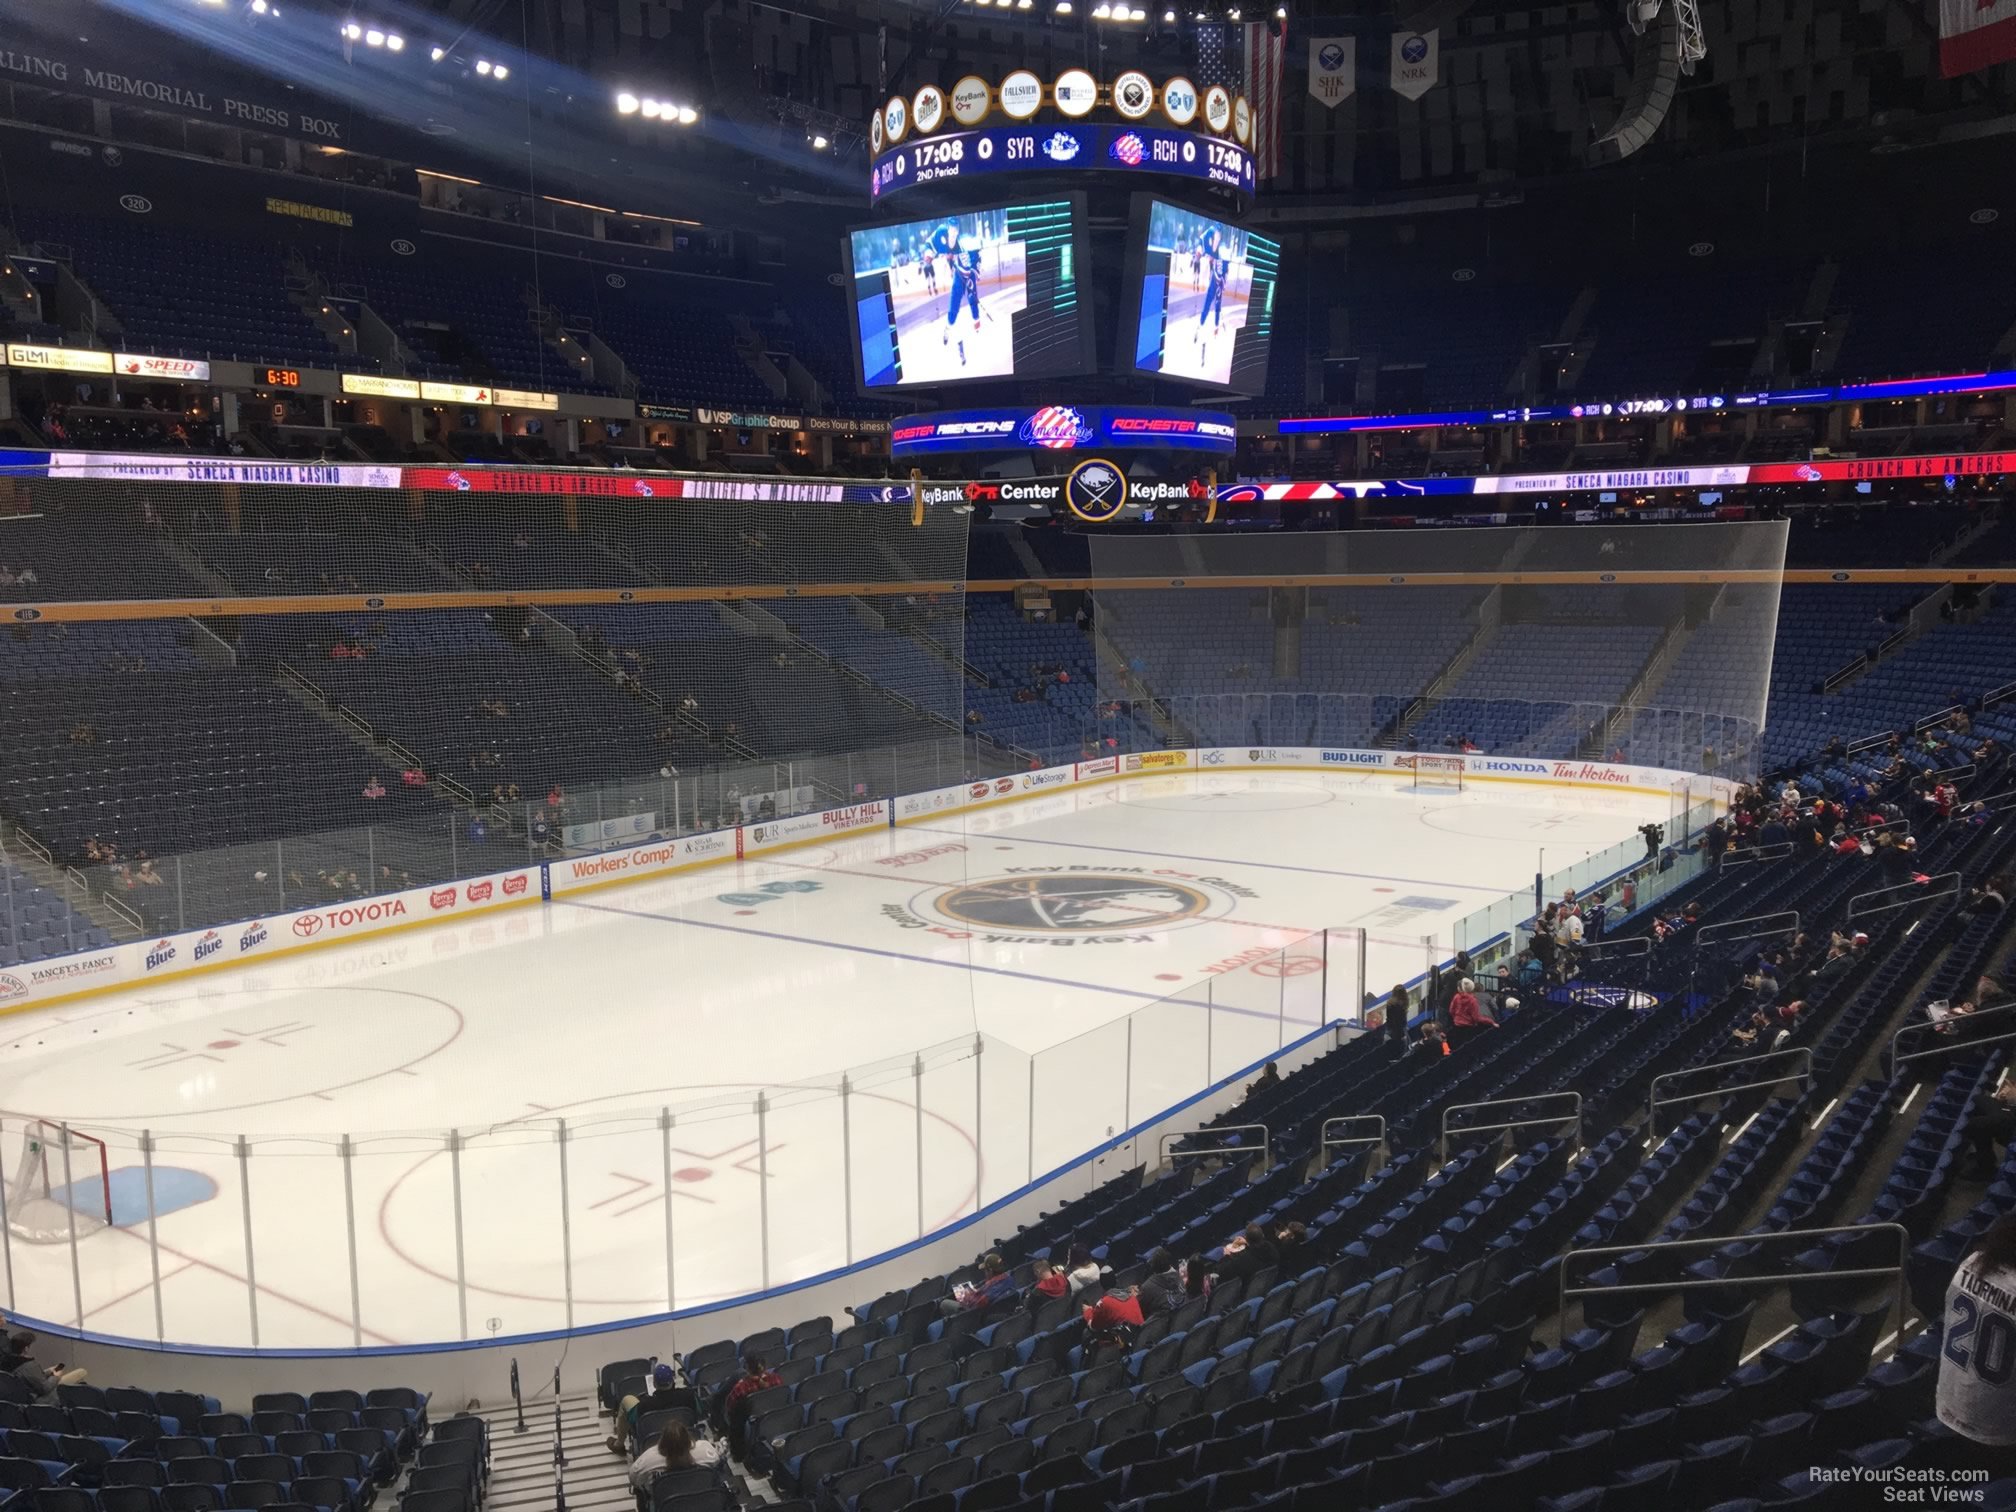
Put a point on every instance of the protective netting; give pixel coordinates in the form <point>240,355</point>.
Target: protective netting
<point>232,700</point>
<point>1646,644</point>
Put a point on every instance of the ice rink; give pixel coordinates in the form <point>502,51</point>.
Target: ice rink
<point>988,982</point>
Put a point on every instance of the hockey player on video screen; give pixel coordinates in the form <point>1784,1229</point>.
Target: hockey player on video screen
<point>962,261</point>
<point>1216,265</point>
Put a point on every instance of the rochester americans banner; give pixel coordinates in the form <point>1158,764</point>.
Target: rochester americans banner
<point>1973,34</point>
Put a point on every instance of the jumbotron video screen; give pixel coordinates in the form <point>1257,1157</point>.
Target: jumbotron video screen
<point>1205,297</point>
<point>983,294</point>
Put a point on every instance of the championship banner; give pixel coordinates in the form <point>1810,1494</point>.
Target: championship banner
<point>1333,69</point>
<point>1416,63</point>
<point>1975,34</point>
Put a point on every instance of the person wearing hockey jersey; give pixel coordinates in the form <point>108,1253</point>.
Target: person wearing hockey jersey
<point>962,262</point>
<point>1977,1355</point>
<point>1215,269</point>
<point>928,261</point>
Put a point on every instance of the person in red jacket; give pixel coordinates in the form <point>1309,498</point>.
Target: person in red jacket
<point>1466,1014</point>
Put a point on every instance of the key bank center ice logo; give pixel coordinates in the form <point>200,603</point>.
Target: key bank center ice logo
<point>1069,905</point>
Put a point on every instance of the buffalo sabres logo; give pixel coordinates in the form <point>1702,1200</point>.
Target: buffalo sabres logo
<point>1075,902</point>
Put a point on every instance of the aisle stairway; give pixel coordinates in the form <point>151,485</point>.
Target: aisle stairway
<point>521,1464</point>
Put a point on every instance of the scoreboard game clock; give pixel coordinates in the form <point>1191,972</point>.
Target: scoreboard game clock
<point>1073,124</point>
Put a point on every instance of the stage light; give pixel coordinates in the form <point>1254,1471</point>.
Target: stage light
<point>500,72</point>
<point>1063,7</point>
<point>394,42</point>
<point>688,115</point>
<point>650,109</point>
<point>352,31</point>
<point>626,104</point>
<point>483,65</point>
<point>374,38</point>
<point>1102,12</point>
<point>818,143</point>
<point>1280,13</point>
<point>438,53</point>
<point>1168,18</point>
<point>1024,4</point>
<point>259,7</point>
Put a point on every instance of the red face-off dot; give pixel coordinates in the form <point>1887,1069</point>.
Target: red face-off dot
<point>223,1044</point>
<point>691,1173</point>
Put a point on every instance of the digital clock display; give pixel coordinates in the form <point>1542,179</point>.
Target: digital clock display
<point>281,378</point>
<point>1069,148</point>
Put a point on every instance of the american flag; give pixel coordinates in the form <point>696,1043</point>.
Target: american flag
<point>1214,56</point>
<point>1265,48</point>
<point>1259,80</point>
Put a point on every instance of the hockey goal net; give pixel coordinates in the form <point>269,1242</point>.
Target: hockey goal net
<point>1445,772</point>
<point>61,1183</point>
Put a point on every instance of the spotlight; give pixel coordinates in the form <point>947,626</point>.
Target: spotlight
<point>688,115</point>
<point>1233,14</point>
<point>352,31</point>
<point>259,7</point>
<point>374,38</point>
<point>500,72</point>
<point>483,65</point>
<point>1102,12</point>
<point>650,109</point>
<point>626,104</point>
<point>1280,13</point>
<point>818,144</point>
<point>1063,7</point>
<point>438,53</point>
<point>394,42</point>
<point>1169,18</point>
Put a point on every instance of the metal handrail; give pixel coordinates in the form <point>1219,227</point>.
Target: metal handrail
<point>1164,1154</point>
<point>1708,934</point>
<point>1941,885</point>
<point>1344,1118</point>
<point>1754,855</point>
<point>1623,947</point>
<point>1640,1287</point>
<point>1954,1042</point>
<point>1442,1149</point>
<point>1654,1102</point>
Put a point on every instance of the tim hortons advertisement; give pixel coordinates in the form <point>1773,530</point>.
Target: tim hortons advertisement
<point>642,860</point>
<point>827,824</point>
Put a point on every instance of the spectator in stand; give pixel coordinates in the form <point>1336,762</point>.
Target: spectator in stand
<point>1162,1290</point>
<point>1081,1270</point>
<point>40,1380</point>
<point>373,788</point>
<point>1466,1014</point>
<point>146,876</point>
<point>996,1284</point>
<point>1976,1396</point>
<point>665,1392</point>
<point>414,777</point>
<point>1397,1008</point>
<point>676,1449</point>
<point>1991,897</point>
<point>1269,1077</point>
<point>1252,1252</point>
<point>1429,1042</point>
<point>1993,1125</point>
<point>1049,1284</point>
<point>755,1377</point>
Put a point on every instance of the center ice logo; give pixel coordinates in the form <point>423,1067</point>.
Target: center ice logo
<point>1074,902</point>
